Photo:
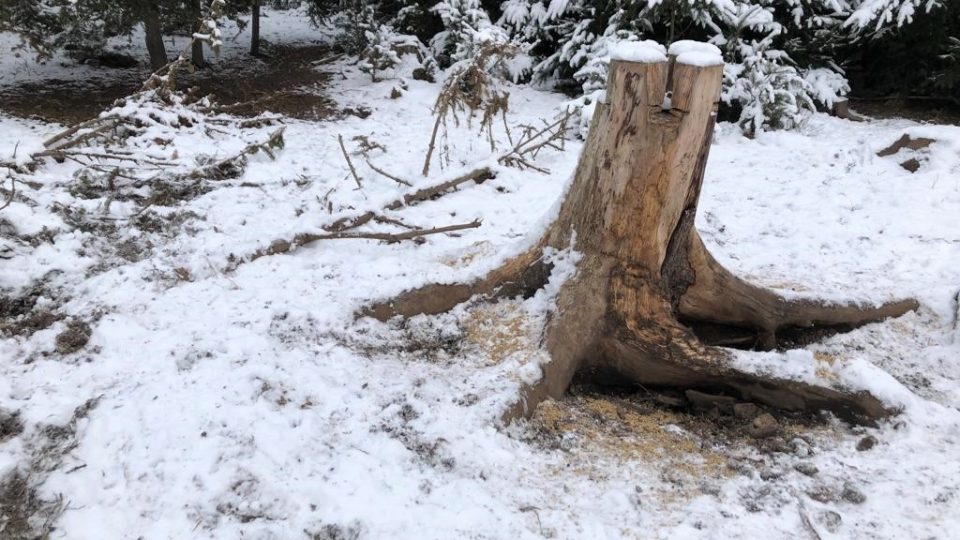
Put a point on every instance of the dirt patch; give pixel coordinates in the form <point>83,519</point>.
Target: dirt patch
<point>10,424</point>
<point>33,322</point>
<point>930,111</point>
<point>23,514</point>
<point>286,82</point>
<point>74,337</point>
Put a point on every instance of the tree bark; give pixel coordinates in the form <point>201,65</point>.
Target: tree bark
<point>196,52</point>
<point>154,36</point>
<point>645,281</point>
<point>255,28</point>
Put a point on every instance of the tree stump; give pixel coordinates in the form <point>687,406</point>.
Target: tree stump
<point>649,304</point>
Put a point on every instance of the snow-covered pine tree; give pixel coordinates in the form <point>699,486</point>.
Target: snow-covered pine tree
<point>466,29</point>
<point>379,54</point>
<point>763,82</point>
<point>36,22</point>
<point>878,15</point>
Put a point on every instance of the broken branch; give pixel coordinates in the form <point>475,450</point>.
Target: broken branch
<point>346,156</point>
<point>286,246</point>
<point>388,175</point>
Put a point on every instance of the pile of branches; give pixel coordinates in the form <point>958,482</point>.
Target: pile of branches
<point>472,88</point>
<point>136,151</point>
<point>532,141</point>
<point>147,147</point>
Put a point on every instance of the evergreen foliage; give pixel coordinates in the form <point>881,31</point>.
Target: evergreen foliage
<point>784,58</point>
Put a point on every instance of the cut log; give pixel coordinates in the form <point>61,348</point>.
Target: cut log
<point>645,278</point>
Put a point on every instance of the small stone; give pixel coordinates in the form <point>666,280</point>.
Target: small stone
<point>422,74</point>
<point>911,165</point>
<point>808,469</point>
<point>831,520</point>
<point>852,494</point>
<point>822,494</point>
<point>801,448</point>
<point>866,443</point>
<point>770,474</point>
<point>763,426</point>
<point>746,411</point>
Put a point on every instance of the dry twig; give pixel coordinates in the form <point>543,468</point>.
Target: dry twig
<point>286,246</point>
<point>388,175</point>
<point>346,156</point>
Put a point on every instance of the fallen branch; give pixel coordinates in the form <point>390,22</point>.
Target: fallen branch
<point>107,121</point>
<point>394,237</point>
<point>477,175</point>
<point>388,175</point>
<point>232,167</point>
<point>346,156</point>
<point>279,247</point>
<point>535,140</point>
<point>64,154</point>
<point>807,524</point>
<point>13,191</point>
<point>338,229</point>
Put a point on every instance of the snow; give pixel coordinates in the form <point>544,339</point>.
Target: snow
<point>696,53</point>
<point>701,59</point>
<point>256,404</point>
<point>647,51</point>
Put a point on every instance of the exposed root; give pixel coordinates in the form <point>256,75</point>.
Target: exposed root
<point>517,277</point>
<point>721,299</point>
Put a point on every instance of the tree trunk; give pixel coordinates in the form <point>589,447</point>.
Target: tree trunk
<point>649,303</point>
<point>196,52</point>
<point>154,36</point>
<point>255,28</point>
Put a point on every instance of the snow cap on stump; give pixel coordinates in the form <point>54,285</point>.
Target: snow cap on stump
<point>647,52</point>
<point>696,53</point>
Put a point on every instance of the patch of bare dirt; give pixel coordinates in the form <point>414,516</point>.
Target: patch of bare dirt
<point>930,111</point>
<point>23,514</point>
<point>286,82</point>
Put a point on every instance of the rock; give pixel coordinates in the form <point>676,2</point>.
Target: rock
<point>808,469</point>
<point>701,400</point>
<point>866,443</point>
<point>822,494</point>
<point>746,411</point>
<point>770,474</point>
<point>911,165</point>
<point>906,141</point>
<point>831,520</point>
<point>763,426</point>
<point>852,494</point>
<point>801,448</point>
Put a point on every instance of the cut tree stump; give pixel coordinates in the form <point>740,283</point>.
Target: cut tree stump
<point>648,303</point>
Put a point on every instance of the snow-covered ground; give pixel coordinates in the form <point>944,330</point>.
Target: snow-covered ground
<point>255,403</point>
